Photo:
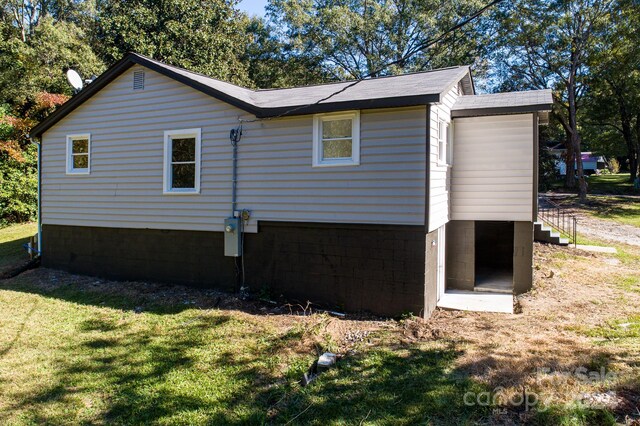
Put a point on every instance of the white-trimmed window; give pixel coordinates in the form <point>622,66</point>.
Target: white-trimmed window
<point>450,132</point>
<point>336,139</point>
<point>78,154</point>
<point>182,161</point>
<point>444,143</point>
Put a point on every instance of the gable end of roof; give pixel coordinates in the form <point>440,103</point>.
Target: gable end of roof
<point>118,69</point>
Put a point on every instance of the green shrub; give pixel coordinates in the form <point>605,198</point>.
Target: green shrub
<point>18,186</point>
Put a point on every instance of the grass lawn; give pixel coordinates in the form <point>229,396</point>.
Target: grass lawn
<point>76,349</point>
<point>619,209</point>
<point>69,354</point>
<point>613,184</point>
<point>11,240</point>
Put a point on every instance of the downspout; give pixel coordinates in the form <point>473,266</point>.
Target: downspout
<point>38,145</point>
<point>235,136</point>
<point>234,190</point>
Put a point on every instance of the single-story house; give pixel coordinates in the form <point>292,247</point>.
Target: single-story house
<point>591,163</point>
<point>375,195</point>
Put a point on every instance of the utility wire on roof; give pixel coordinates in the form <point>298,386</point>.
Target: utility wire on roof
<point>422,46</point>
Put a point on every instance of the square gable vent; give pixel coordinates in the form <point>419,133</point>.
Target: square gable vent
<point>138,80</point>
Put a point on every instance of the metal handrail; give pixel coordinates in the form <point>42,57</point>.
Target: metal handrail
<point>557,218</point>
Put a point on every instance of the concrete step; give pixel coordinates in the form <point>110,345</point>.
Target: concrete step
<point>542,226</point>
<point>546,234</point>
<point>492,289</point>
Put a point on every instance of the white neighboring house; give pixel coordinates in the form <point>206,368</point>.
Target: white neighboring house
<point>380,197</point>
<point>591,163</point>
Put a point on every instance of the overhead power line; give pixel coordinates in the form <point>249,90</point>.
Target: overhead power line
<point>419,48</point>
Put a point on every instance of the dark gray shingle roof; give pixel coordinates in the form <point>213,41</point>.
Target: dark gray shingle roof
<point>414,85</point>
<point>241,93</point>
<point>432,83</point>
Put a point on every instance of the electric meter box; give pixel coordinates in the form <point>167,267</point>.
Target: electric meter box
<point>232,237</point>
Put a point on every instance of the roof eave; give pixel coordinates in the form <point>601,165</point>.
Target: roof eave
<point>473,83</point>
<point>64,109</point>
<point>479,112</point>
<point>314,108</point>
<point>197,85</point>
<point>464,74</point>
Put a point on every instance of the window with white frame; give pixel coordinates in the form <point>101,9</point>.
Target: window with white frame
<point>450,130</point>
<point>182,161</point>
<point>336,139</point>
<point>444,143</point>
<point>78,154</point>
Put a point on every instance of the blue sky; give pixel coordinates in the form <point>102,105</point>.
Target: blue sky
<point>253,7</point>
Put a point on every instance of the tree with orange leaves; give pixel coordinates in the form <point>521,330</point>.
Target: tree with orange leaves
<point>18,159</point>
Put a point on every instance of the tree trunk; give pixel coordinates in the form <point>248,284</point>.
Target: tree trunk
<point>635,170</point>
<point>632,151</point>
<point>570,162</point>
<point>626,129</point>
<point>582,182</point>
<point>575,140</point>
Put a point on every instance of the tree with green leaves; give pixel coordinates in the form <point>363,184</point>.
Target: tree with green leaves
<point>357,38</point>
<point>204,36</point>
<point>613,101</point>
<point>272,62</point>
<point>25,15</point>
<point>39,63</point>
<point>18,158</point>
<point>39,41</point>
<point>547,45</point>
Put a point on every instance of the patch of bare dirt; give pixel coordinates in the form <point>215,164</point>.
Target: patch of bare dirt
<point>318,327</point>
<point>544,348</point>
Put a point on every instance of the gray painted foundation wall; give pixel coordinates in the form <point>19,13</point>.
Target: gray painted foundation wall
<point>375,268</point>
<point>460,256</point>
<point>522,257</point>
<point>431,273</point>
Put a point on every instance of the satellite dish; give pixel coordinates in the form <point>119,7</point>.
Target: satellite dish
<point>75,80</point>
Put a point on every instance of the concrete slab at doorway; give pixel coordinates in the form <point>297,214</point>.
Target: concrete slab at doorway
<point>476,301</point>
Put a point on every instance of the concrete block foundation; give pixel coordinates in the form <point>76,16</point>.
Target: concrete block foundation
<point>382,269</point>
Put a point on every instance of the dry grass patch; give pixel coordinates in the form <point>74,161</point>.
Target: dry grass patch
<point>570,325</point>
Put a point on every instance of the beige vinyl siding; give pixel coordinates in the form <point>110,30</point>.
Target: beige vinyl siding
<point>439,175</point>
<point>276,180</point>
<point>492,177</point>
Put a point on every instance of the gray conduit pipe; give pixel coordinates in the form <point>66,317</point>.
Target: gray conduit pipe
<point>38,145</point>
